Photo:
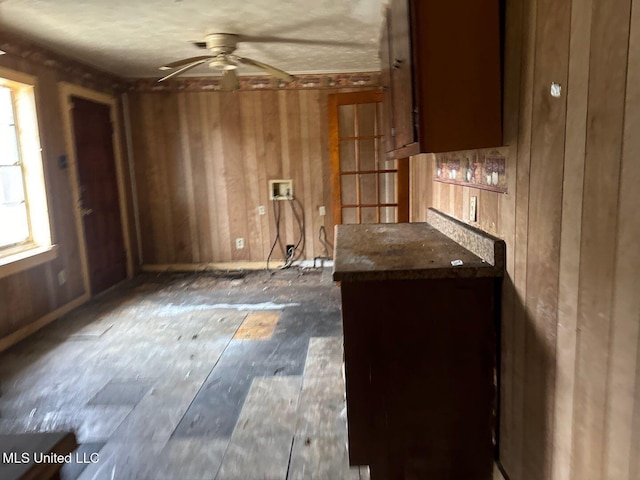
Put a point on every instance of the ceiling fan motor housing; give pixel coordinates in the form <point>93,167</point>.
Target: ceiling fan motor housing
<point>222,43</point>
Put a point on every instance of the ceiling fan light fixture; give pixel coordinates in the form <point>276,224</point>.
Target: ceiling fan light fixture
<point>223,63</point>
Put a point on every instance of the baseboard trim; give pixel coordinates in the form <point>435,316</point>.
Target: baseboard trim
<point>19,335</point>
<point>226,266</point>
<point>206,267</point>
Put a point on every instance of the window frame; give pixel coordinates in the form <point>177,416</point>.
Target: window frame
<point>38,248</point>
<point>17,247</point>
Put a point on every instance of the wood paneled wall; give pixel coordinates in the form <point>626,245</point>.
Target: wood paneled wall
<point>203,161</point>
<point>570,397</point>
<point>31,296</point>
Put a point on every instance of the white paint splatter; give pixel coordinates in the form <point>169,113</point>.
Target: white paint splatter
<point>172,309</point>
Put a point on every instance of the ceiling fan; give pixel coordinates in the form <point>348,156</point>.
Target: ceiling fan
<point>222,58</point>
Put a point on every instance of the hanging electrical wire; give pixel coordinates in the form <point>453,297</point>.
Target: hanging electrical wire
<point>326,244</point>
<point>297,249</point>
<point>276,215</point>
<point>295,253</point>
<point>322,236</point>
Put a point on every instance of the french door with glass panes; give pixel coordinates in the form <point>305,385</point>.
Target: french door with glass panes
<point>367,188</point>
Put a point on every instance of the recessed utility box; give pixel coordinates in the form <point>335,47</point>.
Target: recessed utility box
<point>280,189</point>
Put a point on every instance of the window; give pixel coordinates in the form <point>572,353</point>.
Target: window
<point>24,218</point>
<point>14,216</point>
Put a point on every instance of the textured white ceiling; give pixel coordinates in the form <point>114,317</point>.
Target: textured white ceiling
<point>131,38</point>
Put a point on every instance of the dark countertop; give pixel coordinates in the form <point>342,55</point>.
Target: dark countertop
<point>405,251</point>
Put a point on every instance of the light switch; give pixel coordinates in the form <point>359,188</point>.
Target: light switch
<point>473,209</point>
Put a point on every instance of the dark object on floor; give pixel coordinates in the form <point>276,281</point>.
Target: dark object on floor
<point>25,456</point>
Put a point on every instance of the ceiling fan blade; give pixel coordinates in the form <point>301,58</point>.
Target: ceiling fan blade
<point>180,63</point>
<point>200,44</point>
<point>229,81</point>
<point>182,70</point>
<point>276,72</point>
<point>301,41</point>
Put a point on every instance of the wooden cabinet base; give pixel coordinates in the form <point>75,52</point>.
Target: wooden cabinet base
<point>420,359</point>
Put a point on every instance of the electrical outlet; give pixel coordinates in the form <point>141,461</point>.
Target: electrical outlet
<point>473,209</point>
<point>239,243</point>
<point>290,250</point>
<point>62,277</point>
<point>261,210</point>
<point>322,210</point>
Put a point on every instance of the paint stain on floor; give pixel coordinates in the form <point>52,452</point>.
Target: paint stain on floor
<point>257,326</point>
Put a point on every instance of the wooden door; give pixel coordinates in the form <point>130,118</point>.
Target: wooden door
<point>367,188</point>
<point>98,184</point>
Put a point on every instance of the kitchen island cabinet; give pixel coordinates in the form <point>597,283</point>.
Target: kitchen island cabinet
<point>420,340</point>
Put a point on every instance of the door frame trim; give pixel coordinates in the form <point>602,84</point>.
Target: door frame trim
<point>350,98</point>
<point>66,91</point>
<point>335,100</point>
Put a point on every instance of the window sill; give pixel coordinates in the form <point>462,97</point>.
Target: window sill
<point>26,259</point>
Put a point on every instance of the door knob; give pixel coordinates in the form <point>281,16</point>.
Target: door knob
<point>84,211</point>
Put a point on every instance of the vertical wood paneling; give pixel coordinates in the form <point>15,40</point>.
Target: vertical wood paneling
<point>251,183</point>
<point>138,114</point>
<point>621,448</point>
<point>203,161</point>
<point>309,171</point>
<point>568,288</point>
<point>273,157</point>
<point>200,174</point>
<point>218,201</point>
<point>321,142</point>
<point>514,31</point>
<point>488,210</point>
<point>232,174</point>
<point>571,312</point>
<point>162,206</point>
<point>607,82</point>
<point>190,191</point>
<point>543,254</point>
<point>296,166</point>
<point>514,463</point>
<point>176,174</point>
<point>266,224</point>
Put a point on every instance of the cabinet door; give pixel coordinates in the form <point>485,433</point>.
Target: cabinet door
<point>385,74</point>
<point>401,75</point>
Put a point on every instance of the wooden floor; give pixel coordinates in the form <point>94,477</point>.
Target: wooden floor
<point>155,378</point>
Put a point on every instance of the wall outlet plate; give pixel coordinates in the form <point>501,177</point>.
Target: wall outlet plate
<point>239,243</point>
<point>261,210</point>
<point>322,210</point>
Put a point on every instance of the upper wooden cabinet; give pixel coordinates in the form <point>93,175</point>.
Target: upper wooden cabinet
<point>441,75</point>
